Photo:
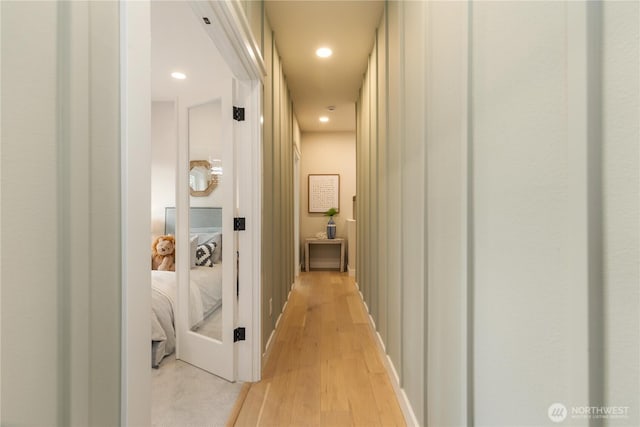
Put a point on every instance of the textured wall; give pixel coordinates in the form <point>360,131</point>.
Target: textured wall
<point>277,187</point>
<point>521,197</point>
<point>621,205</point>
<point>506,194</point>
<point>61,310</point>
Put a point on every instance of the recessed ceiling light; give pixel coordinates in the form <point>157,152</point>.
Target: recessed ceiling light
<point>331,108</point>
<point>324,119</point>
<point>324,52</point>
<point>179,76</point>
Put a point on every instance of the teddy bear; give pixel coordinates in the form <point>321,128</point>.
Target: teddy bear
<point>162,253</point>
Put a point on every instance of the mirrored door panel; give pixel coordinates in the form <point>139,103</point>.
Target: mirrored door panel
<point>207,206</point>
<point>206,292</point>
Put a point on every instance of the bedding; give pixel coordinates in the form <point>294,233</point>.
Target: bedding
<point>205,297</point>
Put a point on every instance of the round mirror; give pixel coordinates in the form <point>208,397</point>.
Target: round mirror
<point>201,180</point>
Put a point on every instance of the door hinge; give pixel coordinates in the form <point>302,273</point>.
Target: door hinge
<point>238,114</point>
<point>239,224</point>
<point>238,334</point>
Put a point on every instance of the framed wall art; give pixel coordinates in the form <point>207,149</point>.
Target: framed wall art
<point>324,192</point>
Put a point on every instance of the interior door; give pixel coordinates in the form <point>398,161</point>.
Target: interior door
<point>204,328</point>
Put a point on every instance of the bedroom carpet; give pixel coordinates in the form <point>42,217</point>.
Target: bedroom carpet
<point>183,395</point>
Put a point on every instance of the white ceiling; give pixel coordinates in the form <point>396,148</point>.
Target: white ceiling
<point>180,43</point>
<point>348,28</point>
<point>300,26</point>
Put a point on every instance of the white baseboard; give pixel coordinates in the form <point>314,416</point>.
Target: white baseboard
<point>267,347</point>
<point>352,271</point>
<point>396,377</point>
<point>322,264</point>
<point>384,347</point>
<point>407,410</point>
<point>280,317</point>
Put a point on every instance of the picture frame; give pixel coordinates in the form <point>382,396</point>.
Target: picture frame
<point>323,192</point>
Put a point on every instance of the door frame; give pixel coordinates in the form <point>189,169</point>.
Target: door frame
<point>232,36</point>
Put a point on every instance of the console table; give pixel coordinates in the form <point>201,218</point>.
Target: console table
<point>312,241</point>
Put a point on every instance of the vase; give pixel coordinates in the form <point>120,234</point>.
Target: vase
<point>331,229</point>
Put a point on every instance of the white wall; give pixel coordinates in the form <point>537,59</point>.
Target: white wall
<point>173,27</point>
<point>136,182</point>
<point>327,153</point>
<point>205,143</point>
<point>520,178</point>
<point>163,162</point>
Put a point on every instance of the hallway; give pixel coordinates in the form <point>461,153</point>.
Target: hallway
<point>324,367</point>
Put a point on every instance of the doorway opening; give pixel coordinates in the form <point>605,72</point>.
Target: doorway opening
<point>199,141</point>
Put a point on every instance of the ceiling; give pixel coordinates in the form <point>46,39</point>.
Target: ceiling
<point>180,43</point>
<point>348,28</point>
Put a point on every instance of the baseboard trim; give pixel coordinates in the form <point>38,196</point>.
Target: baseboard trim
<point>267,348</point>
<point>384,347</point>
<point>373,322</point>
<point>270,341</point>
<point>324,264</point>
<point>352,271</point>
<point>396,377</point>
<point>407,410</point>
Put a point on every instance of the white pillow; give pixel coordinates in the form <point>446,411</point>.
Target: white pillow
<point>217,253</point>
<point>193,243</point>
<point>205,237</point>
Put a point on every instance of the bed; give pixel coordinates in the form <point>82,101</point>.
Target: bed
<point>205,277</point>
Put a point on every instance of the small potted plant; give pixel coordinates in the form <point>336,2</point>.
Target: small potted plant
<point>331,226</point>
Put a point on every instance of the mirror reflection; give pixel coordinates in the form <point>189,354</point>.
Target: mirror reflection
<point>202,180</point>
<point>205,219</point>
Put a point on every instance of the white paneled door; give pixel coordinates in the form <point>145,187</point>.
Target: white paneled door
<point>207,299</point>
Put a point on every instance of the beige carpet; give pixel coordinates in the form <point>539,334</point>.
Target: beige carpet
<point>183,395</point>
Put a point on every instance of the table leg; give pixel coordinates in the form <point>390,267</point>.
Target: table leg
<point>306,256</point>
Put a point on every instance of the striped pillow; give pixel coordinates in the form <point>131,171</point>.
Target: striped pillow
<point>205,254</point>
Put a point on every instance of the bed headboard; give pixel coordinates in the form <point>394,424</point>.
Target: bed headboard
<point>200,218</point>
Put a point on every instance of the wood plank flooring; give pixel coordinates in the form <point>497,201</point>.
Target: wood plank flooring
<point>324,368</point>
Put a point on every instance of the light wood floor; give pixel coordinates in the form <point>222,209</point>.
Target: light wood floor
<point>324,368</point>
